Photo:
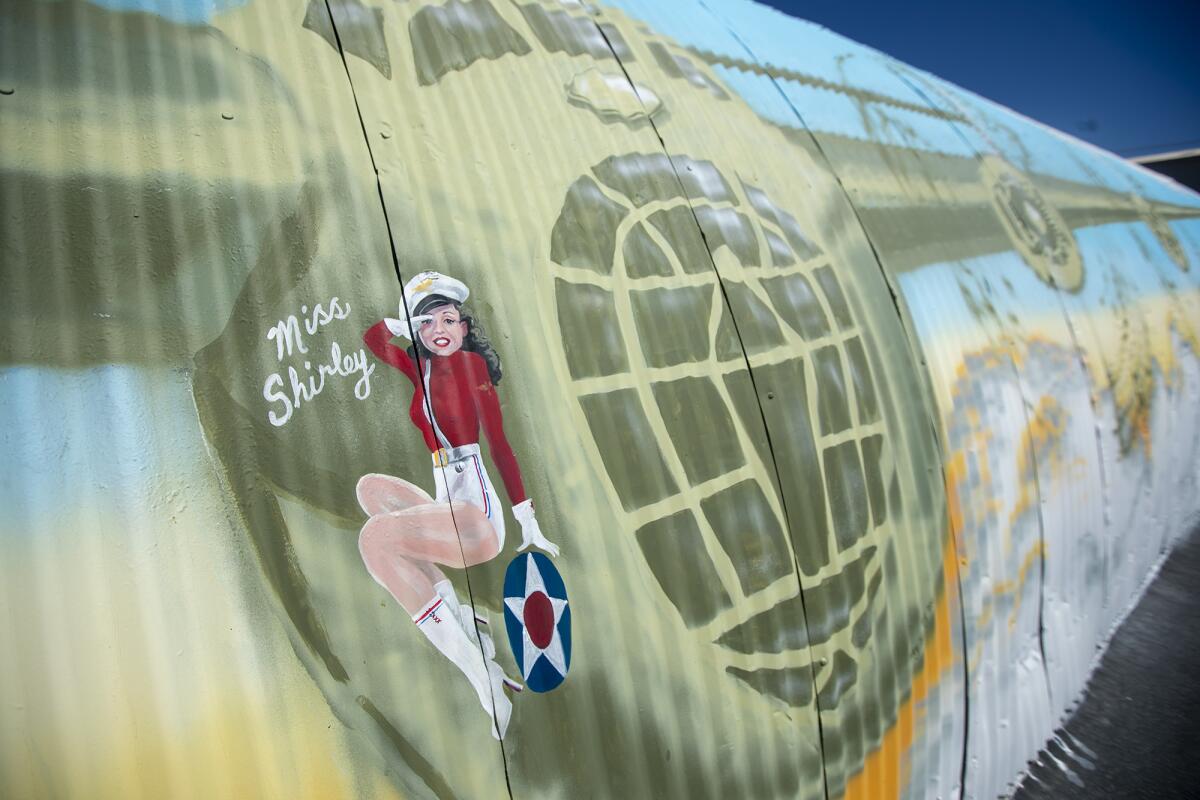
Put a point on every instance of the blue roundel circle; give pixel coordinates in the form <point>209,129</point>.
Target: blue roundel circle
<point>538,620</point>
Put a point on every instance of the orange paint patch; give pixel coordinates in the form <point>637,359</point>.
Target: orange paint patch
<point>1041,444</point>
<point>885,772</point>
<point>1009,587</point>
<point>956,473</point>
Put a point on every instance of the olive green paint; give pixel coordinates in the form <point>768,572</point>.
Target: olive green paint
<point>675,552</point>
<point>453,36</point>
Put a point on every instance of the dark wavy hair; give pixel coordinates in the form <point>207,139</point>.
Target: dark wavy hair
<point>475,341</point>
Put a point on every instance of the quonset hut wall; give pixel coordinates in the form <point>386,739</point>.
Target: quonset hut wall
<point>860,407</point>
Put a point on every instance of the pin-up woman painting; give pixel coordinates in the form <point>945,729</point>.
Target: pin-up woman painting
<point>411,536</point>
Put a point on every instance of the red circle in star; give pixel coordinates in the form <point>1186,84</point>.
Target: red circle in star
<point>539,619</point>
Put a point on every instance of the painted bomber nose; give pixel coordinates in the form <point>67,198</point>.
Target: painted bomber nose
<point>704,501</point>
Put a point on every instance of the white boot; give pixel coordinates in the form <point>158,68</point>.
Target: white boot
<point>445,631</point>
<point>470,621</point>
<point>467,617</point>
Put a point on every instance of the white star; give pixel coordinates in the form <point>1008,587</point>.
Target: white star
<point>530,652</point>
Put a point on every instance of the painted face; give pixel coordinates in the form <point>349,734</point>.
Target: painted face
<point>443,335</point>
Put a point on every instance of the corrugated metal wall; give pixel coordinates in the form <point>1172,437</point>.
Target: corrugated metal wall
<point>860,407</point>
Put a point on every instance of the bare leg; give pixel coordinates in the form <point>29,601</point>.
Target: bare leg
<point>405,579</point>
<point>432,572</point>
<point>379,494</point>
<point>431,532</point>
<point>397,575</point>
<point>404,568</point>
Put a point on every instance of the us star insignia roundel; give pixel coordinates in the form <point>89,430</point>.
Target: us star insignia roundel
<point>538,620</point>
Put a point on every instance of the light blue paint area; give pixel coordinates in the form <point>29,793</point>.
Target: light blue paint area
<point>1108,170</point>
<point>729,27</point>
<point>1021,141</point>
<point>936,302</point>
<point>1040,149</point>
<point>1125,176</point>
<point>796,105</point>
<point>934,100</point>
<point>1158,187</point>
<point>969,134</point>
<point>933,287</point>
<point>1026,144</point>
<point>826,111</point>
<point>1127,249</point>
<point>186,11</point>
<point>686,22</point>
<point>101,437</point>
<point>1188,233</point>
<point>761,94</point>
<point>794,44</point>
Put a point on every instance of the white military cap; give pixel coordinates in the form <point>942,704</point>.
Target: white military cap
<point>422,286</point>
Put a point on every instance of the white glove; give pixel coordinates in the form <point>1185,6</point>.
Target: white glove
<point>399,327</point>
<point>531,534</point>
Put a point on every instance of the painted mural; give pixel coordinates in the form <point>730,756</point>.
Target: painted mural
<point>855,409</point>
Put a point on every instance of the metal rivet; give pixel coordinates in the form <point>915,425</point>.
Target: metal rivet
<point>6,90</point>
<point>226,115</point>
<point>770,395</point>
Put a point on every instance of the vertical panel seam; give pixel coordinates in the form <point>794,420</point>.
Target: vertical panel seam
<point>757,397</point>
<point>1026,405</point>
<point>914,342</point>
<point>412,337</point>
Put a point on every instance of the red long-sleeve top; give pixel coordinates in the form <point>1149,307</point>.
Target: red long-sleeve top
<point>463,398</point>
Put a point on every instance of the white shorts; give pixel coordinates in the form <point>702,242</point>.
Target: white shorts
<point>465,480</point>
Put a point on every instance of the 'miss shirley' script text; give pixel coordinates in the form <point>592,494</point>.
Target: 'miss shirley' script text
<point>285,396</point>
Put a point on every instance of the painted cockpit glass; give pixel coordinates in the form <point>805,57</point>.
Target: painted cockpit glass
<point>839,388</point>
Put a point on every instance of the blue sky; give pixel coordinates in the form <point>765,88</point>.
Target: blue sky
<point>1120,74</point>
